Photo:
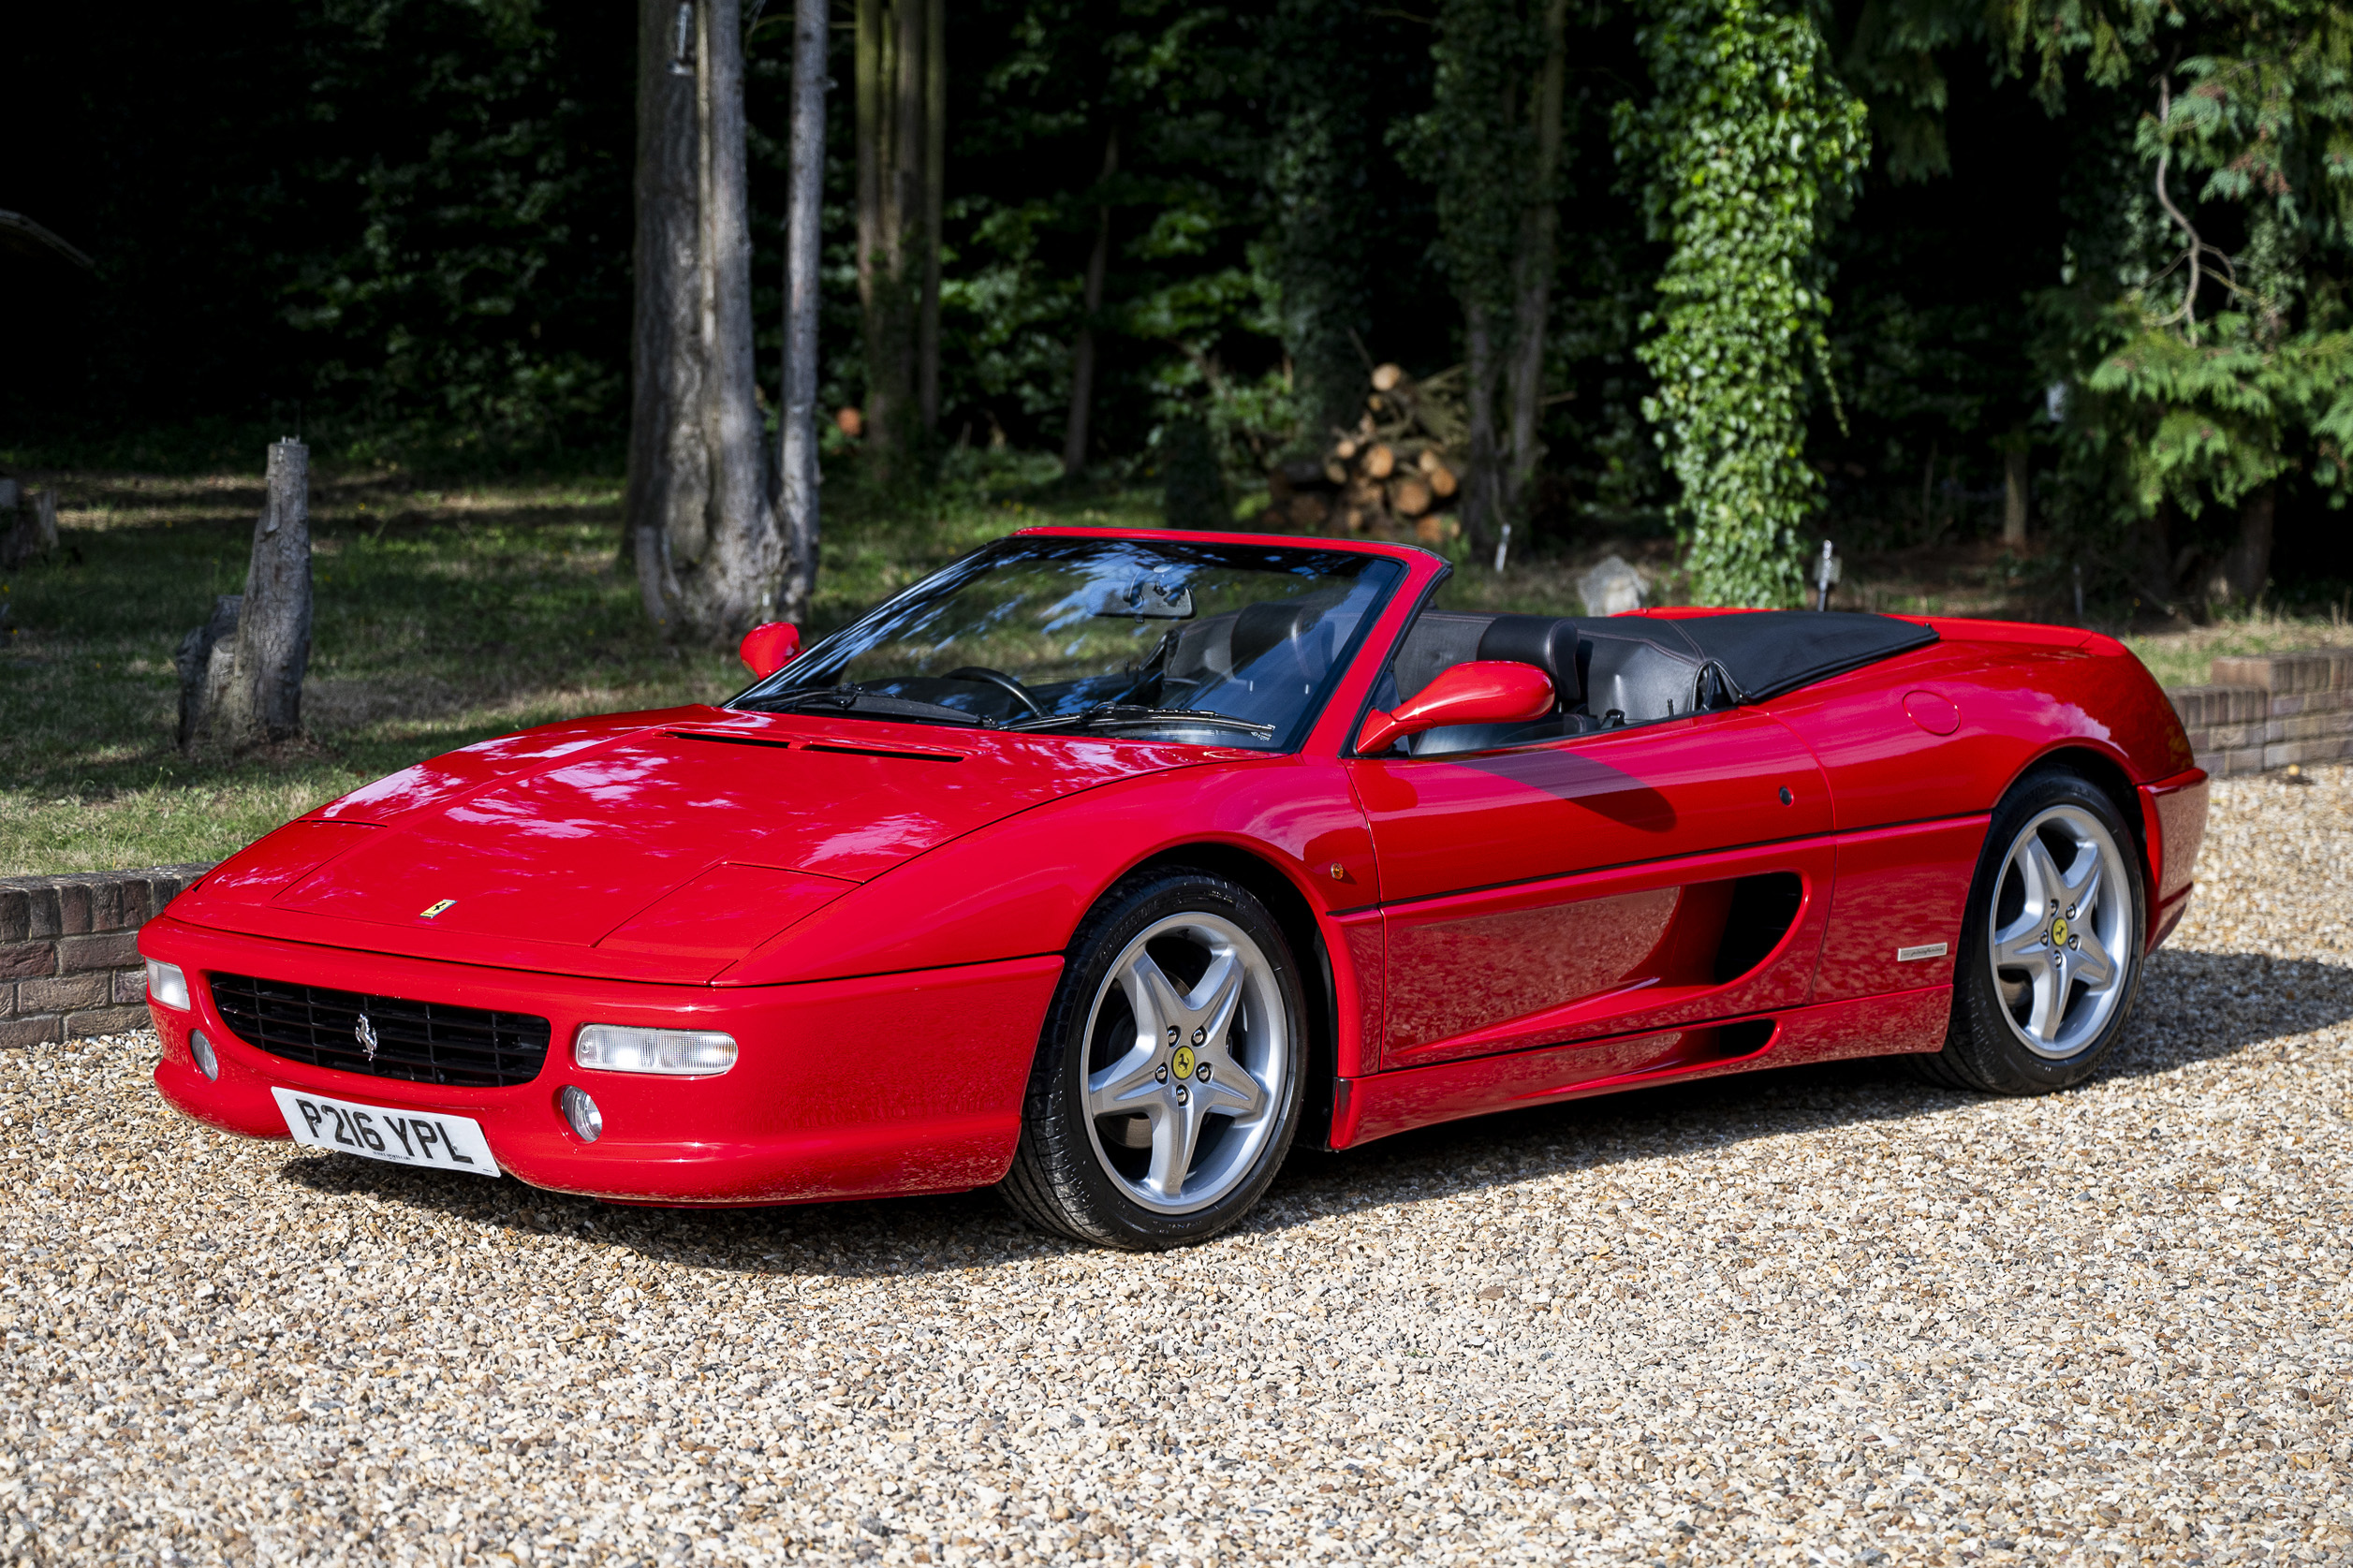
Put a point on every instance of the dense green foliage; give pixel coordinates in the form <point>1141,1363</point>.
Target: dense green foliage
<point>405,225</point>
<point>1751,142</point>
<point>2210,371</point>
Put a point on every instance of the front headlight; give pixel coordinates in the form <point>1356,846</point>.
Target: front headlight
<point>167,986</point>
<point>613,1048</point>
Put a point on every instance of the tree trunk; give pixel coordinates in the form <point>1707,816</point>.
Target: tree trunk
<point>240,674</point>
<point>1482,473</point>
<point>2017,496</point>
<point>700,518</point>
<point>1533,267</point>
<point>1074,441</point>
<point>797,428</point>
<point>934,203</point>
<point>2247,569</point>
<point>891,142</point>
<point>1327,82</point>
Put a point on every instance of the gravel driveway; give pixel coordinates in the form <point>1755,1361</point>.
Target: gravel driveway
<point>1825,1314</point>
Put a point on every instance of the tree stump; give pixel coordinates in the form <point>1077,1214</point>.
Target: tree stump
<point>28,524</point>
<point>206,659</point>
<point>240,673</point>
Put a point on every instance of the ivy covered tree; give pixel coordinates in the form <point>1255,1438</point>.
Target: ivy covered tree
<point>1751,143</point>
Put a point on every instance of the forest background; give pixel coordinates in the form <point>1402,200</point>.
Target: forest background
<point>1883,270</point>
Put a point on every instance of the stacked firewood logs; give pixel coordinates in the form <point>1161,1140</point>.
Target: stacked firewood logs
<point>1393,476</point>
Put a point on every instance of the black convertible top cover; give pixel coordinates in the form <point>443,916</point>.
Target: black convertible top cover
<point>1765,652</point>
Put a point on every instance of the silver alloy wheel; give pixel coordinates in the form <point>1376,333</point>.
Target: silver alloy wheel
<point>2062,931</point>
<point>1186,1072</point>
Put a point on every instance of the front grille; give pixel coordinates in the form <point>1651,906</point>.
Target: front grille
<point>422,1042</point>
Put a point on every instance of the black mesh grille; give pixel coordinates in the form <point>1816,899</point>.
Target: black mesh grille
<point>423,1042</point>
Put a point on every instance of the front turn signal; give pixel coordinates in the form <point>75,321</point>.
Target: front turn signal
<point>166,985</point>
<point>686,1053</point>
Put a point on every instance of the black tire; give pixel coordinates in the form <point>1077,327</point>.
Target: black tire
<point>1991,1045</point>
<point>1067,1175</point>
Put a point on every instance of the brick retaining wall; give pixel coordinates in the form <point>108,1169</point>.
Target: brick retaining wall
<point>2268,710</point>
<point>69,961</point>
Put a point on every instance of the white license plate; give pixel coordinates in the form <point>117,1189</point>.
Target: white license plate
<point>405,1137</point>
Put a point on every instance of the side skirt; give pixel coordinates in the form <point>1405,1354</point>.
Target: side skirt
<point>1891,1024</point>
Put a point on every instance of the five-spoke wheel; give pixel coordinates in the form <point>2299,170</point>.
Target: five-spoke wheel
<point>1167,1083</point>
<point>2056,930</point>
<point>2051,946</point>
<point>1188,1057</point>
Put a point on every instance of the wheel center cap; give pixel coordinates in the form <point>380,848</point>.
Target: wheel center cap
<point>1181,1063</point>
<point>2058,930</point>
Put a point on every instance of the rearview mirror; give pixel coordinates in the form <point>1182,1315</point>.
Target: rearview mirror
<point>1483,692</point>
<point>766,650</point>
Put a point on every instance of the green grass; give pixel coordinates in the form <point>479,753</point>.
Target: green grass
<point>442,617</point>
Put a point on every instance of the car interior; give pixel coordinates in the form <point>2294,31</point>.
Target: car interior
<point>1625,670</point>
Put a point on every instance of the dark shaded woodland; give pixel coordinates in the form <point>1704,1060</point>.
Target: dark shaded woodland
<point>2069,275</point>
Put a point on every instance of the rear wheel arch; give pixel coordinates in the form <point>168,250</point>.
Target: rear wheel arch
<point>2106,775</point>
<point>1992,1045</point>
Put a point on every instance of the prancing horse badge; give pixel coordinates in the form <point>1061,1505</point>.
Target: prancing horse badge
<point>432,909</point>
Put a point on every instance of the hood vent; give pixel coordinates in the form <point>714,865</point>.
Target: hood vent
<point>840,748</point>
<point>728,740</point>
<point>845,750</point>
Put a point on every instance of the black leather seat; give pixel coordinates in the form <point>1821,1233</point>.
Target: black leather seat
<point>1631,670</point>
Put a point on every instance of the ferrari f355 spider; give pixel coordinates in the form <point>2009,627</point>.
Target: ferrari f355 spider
<point>1101,867</point>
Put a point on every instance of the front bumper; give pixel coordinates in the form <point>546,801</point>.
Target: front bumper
<point>892,1084</point>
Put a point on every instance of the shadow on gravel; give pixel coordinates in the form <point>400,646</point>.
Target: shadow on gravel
<point>2193,1007</point>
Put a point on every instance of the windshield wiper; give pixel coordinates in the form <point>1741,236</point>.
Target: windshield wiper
<point>1117,715</point>
<point>856,700</point>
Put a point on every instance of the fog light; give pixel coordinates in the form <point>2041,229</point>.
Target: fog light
<point>611,1048</point>
<point>202,1049</point>
<point>167,987</point>
<point>582,1112</point>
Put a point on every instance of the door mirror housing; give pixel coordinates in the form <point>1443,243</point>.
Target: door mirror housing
<point>766,650</point>
<point>1483,692</point>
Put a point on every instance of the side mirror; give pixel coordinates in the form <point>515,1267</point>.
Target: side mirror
<point>1483,692</point>
<point>766,650</point>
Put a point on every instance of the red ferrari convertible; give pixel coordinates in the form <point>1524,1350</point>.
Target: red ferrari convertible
<point>1102,865</point>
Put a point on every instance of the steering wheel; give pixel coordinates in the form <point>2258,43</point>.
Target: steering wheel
<point>1003,682</point>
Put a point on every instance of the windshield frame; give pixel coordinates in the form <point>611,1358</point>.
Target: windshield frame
<point>1378,564</point>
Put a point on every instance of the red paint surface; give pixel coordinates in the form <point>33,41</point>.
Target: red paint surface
<point>1601,953</point>
<point>1398,1102</point>
<point>1932,712</point>
<point>904,1084</point>
<point>1898,888</point>
<point>767,648</point>
<point>878,910</point>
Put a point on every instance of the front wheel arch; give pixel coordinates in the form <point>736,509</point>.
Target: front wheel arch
<point>1296,916</point>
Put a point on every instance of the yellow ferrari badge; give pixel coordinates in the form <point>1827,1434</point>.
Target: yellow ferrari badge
<point>1182,1062</point>
<point>432,909</point>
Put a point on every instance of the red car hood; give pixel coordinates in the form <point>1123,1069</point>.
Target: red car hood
<point>656,846</point>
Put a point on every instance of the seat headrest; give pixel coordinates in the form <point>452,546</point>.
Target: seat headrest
<point>1261,627</point>
<point>1542,641</point>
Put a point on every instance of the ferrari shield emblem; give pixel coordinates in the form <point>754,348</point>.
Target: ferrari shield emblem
<point>435,908</point>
